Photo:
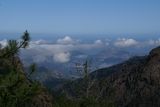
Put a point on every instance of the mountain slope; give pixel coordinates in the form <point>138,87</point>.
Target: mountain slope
<point>134,83</point>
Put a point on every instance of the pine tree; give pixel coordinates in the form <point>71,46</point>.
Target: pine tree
<point>13,47</point>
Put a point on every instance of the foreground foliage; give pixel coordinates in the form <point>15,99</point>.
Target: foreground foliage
<point>16,89</point>
<point>63,101</point>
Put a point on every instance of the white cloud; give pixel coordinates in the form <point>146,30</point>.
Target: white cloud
<point>40,53</point>
<point>154,42</point>
<point>41,50</point>
<point>3,42</point>
<point>98,42</point>
<point>62,57</point>
<point>123,42</point>
<point>66,40</point>
<point>38,42</point>
<point>60,52</point>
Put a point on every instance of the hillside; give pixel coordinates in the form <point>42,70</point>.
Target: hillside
<point>133,83</point>
<point>16,89</point>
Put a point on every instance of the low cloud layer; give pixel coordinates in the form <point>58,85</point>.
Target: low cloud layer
<point>154,42</point>
<point>66,40</point>
<point>3,42</point>
<point>39,42</point>
<point>62,50</point>
<point>62,57</point>
<point>98,42</point>
<point>123,42</point>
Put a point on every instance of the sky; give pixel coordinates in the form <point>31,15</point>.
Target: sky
<point>80,16</point>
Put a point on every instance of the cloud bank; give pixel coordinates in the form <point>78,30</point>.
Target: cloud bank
<point>123,42</point>
<point>62,50</point>
<point>62,57</point>
<point>66,40</point>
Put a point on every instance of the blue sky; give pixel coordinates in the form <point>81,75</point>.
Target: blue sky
<point>80,16</point>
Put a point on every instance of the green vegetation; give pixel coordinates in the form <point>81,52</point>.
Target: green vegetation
<point>63,101</point>
<point>16,90</point>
